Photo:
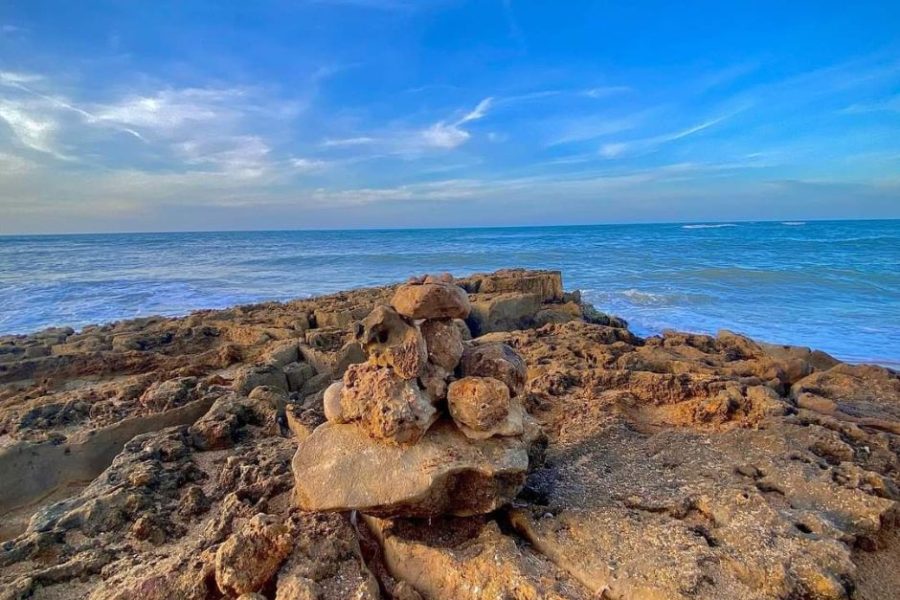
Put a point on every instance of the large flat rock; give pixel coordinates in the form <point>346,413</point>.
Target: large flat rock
<point>339,468</point>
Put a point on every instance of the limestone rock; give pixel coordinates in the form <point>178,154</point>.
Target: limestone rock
<point>444,341</point>
<point>256,375</point>
<point>503,312</point>
<point>496,360</point>
<point>431,301</point>
<point>385,405</point>
<point>389,341</point>
<point>339,468</point>
<point>546,285</point>
<point>481,407</point>
<point>251,557</point>
<point>298,373</point>
<point>434,381</point>
<point>332,402</point>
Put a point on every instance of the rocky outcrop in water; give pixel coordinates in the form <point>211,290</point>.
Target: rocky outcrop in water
<point>553,455</point>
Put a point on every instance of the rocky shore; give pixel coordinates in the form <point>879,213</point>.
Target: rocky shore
<point>486,437</point>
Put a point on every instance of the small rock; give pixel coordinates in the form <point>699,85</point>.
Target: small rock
<point>332,402</point>
<point>444,342</point>
<point>482,408</point>
<point>497,360</point>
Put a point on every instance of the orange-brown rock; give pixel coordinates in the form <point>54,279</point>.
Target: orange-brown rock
<point>497,360</point>
<point>444,341</point>
<point>384,404</point>
<point>482,408</point>
<point>389,341</point>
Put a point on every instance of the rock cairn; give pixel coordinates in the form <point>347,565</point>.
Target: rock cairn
<point>431,423</point>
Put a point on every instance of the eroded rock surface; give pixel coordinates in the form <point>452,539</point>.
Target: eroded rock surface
<point>159,459</point>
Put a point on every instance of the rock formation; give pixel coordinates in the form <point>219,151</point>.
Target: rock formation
<point>382,452</point>
<point>553,453</point>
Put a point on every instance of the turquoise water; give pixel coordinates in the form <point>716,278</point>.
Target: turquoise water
<point>829,285</point>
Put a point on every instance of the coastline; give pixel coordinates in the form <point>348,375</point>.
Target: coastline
<point>712,460</point>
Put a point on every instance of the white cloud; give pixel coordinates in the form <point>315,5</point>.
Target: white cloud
<point>606,91</point>
<point>306,165</point>
<point>445,135</point>
<point>354,141</point>
<point>13,78</point>
<point>450,135</point>
<point>171,109</point>
<point>32,130</point>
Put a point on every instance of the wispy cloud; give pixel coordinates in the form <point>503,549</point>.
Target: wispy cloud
<point>33,130</point>
<point>451,135</point>
<point>618,149</point>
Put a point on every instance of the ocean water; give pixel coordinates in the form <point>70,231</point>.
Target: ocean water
<point>828,285</point>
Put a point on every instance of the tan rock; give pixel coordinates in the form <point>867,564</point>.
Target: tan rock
<point>497,360</point>
<point>444,342</point>
<point>481,407</point>
<point>503,312</point>
<point>254,376</point>
<point>385,405</point>
<point>547,285</point>
<point>431,301</point>
<point>389,341</point>
<point>469,559</point>
<point>340,468</point>
<point>332,402</point>
<point>251,557</point>
<point>434,381</point>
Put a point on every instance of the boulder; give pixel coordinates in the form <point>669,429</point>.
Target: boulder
<point>333,362</point>
<point>444,341</point>
<point>481,407</point>
<point>558,313</point>
<point>340,468</point>
<point>431,301</point>
<point>497,360</point>
<point>389,341</point>
<point>503,312</point>
<point>298,373</point>
<point>387,406</point>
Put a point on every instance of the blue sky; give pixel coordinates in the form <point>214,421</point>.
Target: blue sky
<point>190,115</point>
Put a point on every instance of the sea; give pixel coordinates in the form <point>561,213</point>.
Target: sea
<point>831,285</point>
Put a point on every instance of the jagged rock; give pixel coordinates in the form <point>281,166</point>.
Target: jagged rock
<point>469,559</point>
<point>326,562</point>
<point>558,313</point>
<point>444,342</point>
<point>297,374</point>
<point>385,405</point>
<point>254,376</point>
<point>431,301</point>
<point>251,557</point>
<point>389,341</point>
<point>503,312</point>
<point>168,394</point>
<point>333,362</point>
<point>592,315</point>
<point>481,407</point>
<point>218,428</point>
<point>496,360</point>
<point>282,353</point>
<point>340,468</point>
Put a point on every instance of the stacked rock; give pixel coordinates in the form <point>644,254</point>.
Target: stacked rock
<point>429,424</point>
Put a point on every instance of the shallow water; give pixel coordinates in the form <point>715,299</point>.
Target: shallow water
<point>829,285</point>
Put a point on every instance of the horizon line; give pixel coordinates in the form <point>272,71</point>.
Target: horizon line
<point>385,229</point>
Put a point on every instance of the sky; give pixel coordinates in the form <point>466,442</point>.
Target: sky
<point>292,114</point>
